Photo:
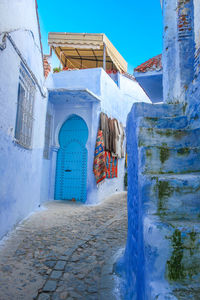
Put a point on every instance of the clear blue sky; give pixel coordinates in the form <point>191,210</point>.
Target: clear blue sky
<point>133,26</point>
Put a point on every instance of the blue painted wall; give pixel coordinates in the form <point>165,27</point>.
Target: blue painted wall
<point>193,93</point>
<point>134,260</point>
<point>152,84</point>
<point>26,178</point>
<point>161,260</point>
<point>178,49</point>
<point>20,169</point>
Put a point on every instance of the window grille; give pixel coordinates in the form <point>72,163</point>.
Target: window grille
<point>24,120</point>
<point>47,136</point>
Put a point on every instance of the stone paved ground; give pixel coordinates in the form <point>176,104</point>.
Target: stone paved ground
<point>64,252</point>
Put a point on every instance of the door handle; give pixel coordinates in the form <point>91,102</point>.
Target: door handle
<point>68,170</point>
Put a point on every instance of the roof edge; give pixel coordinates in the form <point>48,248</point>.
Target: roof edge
<point>152,64</point>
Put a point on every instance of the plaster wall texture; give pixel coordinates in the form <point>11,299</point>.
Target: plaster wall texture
<point>163,205</point>
<point>132,89</point>
<point>20,169</point>
<point>186,44</point>
<point>46,166</point>
<point>78,79</point>
<point>19,18</point>
<point>162,253</point>
<point>197,23</point>
<point>181,56</point>
<point>193,92</point>
<point>170,61</point>
<point>117,101</point>
<point>114,101</point>
<point>178,49</point>
<point>152,83</point>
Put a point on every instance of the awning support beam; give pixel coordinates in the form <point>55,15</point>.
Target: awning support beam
<point>86,59</point>
<point>104,56</point>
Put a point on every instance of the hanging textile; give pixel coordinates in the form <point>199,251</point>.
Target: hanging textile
<point>116,140</point>
<point>122,136</point>
<point>111,165</point>
<point>126,161</point>
<point>105,129</point>
<point>109,148</point>
<point>99,166</point>
<point>112,134</point>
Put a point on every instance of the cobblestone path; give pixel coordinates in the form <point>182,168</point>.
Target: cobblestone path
<point>65,251</point>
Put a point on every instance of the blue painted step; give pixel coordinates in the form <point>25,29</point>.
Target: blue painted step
<point>155,159</point>
<point>157,110</point>
<point>178,138</point>
<point>173,252</point>
<point>166,123</point>
<point>172,196</point>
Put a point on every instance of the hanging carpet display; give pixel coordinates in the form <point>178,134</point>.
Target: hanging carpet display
<point>113,134</point>
<point>111,165</point>
<point>99,166</point>
<point>108,149</point>
<point>105,129</point>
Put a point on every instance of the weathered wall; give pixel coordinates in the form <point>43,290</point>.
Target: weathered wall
<point>197,23</point>
<point>134,259</point>
<point>162,252</point>
<point>186,44</point>
<point>181,55</point>
<point>193,93</point>
<point>178,49</point>
<point>20,169</point>
<point>170,61</point>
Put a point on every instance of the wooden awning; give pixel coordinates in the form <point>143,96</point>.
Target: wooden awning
<point>86,50</point>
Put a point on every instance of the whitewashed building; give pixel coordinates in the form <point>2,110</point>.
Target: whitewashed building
<point>29,149</point>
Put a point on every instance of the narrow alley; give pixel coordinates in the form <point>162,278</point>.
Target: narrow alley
<point>64,251</point>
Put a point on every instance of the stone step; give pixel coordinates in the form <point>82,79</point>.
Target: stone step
<point>173,138</point>
<point>164,123</point>
<point>174,250</point>
<point>172,196</point>
<point>163,159</point>
<point>157,110</point>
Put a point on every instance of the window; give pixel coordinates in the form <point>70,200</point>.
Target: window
<point>24,120</point>
<point>47,136</point>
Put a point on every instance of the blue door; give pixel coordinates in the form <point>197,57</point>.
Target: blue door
<point>71,171</point>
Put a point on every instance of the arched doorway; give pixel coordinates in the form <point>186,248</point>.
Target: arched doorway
<point>71,170</point>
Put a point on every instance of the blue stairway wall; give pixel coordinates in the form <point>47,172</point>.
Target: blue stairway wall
<point>162,256</point>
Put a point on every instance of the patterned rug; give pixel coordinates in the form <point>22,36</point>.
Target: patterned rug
<point>111,165</point>
<point>99,167</point>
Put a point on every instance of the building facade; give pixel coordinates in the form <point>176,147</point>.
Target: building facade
<point>51,125</point>
<point>85,94</point>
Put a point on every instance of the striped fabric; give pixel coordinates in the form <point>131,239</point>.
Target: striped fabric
<point>111,165</point>
<point>99,166</point>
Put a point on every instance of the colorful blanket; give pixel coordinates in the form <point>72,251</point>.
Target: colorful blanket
<point>111,165</point>
<point>99,167</point>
